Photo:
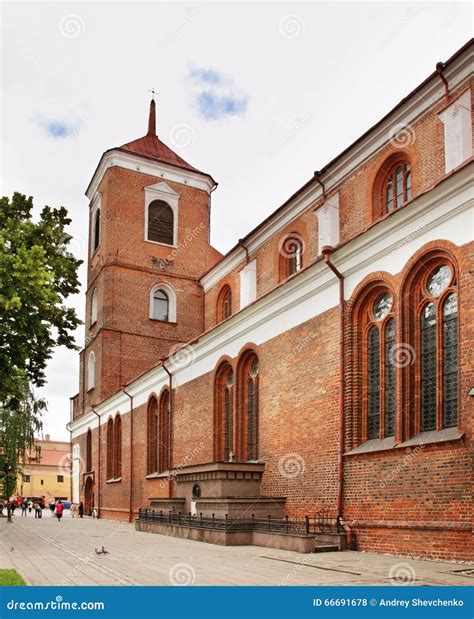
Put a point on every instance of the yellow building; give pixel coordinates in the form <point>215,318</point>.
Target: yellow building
<point>46,471</point>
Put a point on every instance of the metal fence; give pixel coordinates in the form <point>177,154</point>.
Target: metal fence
<point>321,522</point>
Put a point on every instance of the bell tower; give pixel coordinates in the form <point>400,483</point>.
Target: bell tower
<point>149,219</point>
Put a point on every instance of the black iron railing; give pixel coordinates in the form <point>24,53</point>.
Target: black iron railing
<point>321,522</point>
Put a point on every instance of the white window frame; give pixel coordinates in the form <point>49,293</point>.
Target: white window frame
<point>171,294</point>
<point>162,191</point>
<point>94,304</point>
<point>91,371</point>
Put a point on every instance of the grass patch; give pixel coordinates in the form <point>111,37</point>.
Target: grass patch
<point>11,578</point>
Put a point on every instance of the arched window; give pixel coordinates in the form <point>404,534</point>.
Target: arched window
<point>223,413</point>
<point>152,437</point>
<point>160,223</point>
<point>110,449</point>
<point>224,304</point>
<point>397,186</point>
<point>89,451</point>
<point>374,362</point>
<point>96,230</point>
<point>247,421</point>
<point>91,371</point>
<point>94,307</point>
<point>164,431</point>
<point>291,248</point>
<point>438,349</point>
<point>163,303</point>
<point>118,447</point>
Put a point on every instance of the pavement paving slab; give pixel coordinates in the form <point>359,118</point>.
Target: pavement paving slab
<point>47,552</point>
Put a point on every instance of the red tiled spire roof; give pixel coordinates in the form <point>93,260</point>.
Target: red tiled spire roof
<point>151,147</point>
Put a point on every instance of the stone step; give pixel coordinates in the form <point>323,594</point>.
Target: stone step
<point>321,547</point>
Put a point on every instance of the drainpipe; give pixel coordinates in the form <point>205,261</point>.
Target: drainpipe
<point>98,466</point>
<point>70,459</point>
<point>439,71</point>
<point>130,492</point>
<point>241,243</point>
<point>326,251</point>
<point>317,178</point>
<point>170,435</point>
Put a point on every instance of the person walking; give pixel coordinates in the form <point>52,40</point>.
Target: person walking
<point>24,507</point>
<point>37,509</point>
<point>59,510</point>
<point>81,510</point>
<point>30,506</point>
<point>52,507</point>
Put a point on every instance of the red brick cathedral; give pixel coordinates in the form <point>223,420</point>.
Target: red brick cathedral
<point>321,371</point>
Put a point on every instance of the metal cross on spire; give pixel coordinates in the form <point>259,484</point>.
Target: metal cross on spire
<point>153,92</point>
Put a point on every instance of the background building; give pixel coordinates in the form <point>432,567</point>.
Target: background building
<point>46,472</point>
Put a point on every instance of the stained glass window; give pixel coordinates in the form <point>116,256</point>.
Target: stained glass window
<point>373,383</point>
<point>450,361</point>
<point>439,280</point>
<point>428,368</point>
<point>390,377</point>
<point>383,305</point>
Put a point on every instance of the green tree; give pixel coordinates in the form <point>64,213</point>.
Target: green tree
<point>37,275</point>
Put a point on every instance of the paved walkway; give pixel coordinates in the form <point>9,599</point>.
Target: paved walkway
<point>46,552</point>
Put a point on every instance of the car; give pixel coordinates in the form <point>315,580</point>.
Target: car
<point>67,504</point>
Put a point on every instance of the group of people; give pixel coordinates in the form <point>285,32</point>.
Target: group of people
<point>56,508</point>
<point>29,506</point>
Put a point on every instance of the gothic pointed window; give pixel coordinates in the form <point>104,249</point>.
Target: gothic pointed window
<point>375,355</point>
<point>399,179</point>
<point>152,437</point>
<point>223,413</point>
<point>160,223</point>
<point>94,307</point>
<point>110,449</point>
<point>89,451</point>
<point>164,430</point>
<point>393,185</point>
<point>224,304</point>
<point>91,371</point>
<point>96,230</point>
<point>118,447</point>
<point>291,248</point>
<point>438,349</point>
<point>247,425</point>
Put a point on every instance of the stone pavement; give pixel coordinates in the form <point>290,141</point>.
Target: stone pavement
<point>46,552</point>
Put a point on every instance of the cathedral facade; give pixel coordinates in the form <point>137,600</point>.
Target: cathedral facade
<point>323,365</point>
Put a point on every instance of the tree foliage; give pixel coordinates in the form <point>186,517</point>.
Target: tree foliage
<point>37,274</point>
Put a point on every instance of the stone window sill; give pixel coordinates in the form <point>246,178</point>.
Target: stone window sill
<point>113,481</point>
<point>435,436</point>
<point>157,475</point>
<point>424,438</point>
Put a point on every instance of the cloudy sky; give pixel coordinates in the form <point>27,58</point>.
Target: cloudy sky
<point>258,94</point>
